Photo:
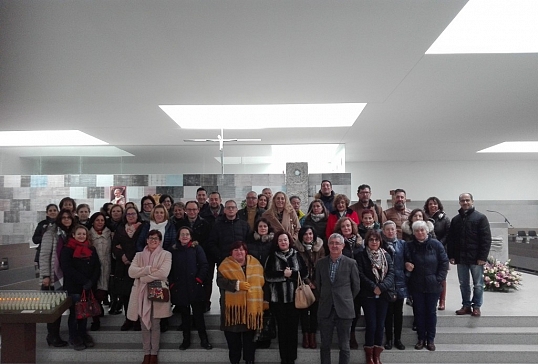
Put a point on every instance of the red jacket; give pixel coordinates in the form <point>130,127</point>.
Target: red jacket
<point>335,216</point>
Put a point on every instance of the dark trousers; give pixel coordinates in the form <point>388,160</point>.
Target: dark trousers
<point>240,341</point>
<point>198,309</point>
<point>309,319</point>
<point>287,321</point>
<point>394,320</point>
<point>77,328</point>
<point>375,311</point>
<point>357,307</point>
<point>53,328</point>
<point>425,311</point>
<point>326,329</point>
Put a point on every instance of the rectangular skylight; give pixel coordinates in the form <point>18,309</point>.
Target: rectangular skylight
<point>491,26</point>
<point>512,147</point>
<point>38,138</point>
<point>264,116</point>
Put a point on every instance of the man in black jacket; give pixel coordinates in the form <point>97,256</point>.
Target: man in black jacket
<point>468,244</point>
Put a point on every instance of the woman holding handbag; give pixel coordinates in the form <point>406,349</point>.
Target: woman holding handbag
<point>81,267</point>
<point>282,270</point>
<point>310,247</point>
<point>151,264</point>
<point>189,268</point>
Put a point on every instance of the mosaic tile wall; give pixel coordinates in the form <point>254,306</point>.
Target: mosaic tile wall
<point>23,198</point>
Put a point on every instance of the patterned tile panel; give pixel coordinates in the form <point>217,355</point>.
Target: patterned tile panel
<point>28,217</point>
<point>131,180</point>
<point>12,181</point>
<point>6,193</point>
<point>77,192</point>
<point>25,181</point>
<point>11,216</point>
<point>80,180</point>
<point>104,180</point>
<point>55,180</point>
<point>38,181</point>
<point>157,180</point>
<point>96,192</point>
<point>175,192</point>
<point>243,179</point>
<point>228,180</point>
<point>191,180</point>
<point>174,180</point>
<point>208,179</point>
<point>6,228</point>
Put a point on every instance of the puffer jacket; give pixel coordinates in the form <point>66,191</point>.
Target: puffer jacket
<point>282,289</point>
<point>259,246</point>
<point>49,257</point>
<point>396,251</point>
<point>469,237</point>
<point>225,232</point>
<point>189,270</point>
<point>441,224</point>
<point>430,265</point>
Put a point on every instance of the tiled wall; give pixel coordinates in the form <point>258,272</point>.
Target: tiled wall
<point>23,198</point>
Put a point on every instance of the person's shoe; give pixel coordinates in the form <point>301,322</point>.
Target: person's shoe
<point>127,325</point>
<point>205,344</point>
<point>95,326</point>
<point>419,345</point>
<point>353,344</point>
<point>146,359</point>
<point>137,326</point>
<point>464,311</point>
<point>430,346</point>
<point>306,340</point>
<point>398,345</point>
<point>476,312</point>
<point>78,344</point>
<point>184,345</point>
<point>56,341</point>
<point>88,341</point>
<point>388,345</point>
<point>153,359</point>
<point>312,340</point>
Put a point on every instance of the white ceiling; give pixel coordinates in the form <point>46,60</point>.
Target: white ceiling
<point>103,67</point>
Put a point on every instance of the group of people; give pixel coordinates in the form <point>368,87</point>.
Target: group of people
<point>351,257</point>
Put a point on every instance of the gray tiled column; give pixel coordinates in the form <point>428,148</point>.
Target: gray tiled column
<point>297,182</point>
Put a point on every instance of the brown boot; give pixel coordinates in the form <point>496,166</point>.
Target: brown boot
<point>353,344</point>
<point>442,298</point>
<point>313,344</point>
<point>146,359</point>
<point>377,354</point>
<point>306,342</point>
<point>369,352</point>
<point>153,359</point>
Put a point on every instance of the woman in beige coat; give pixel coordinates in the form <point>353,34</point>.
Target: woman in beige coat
<point>151,264</point>
<point>282,216</point>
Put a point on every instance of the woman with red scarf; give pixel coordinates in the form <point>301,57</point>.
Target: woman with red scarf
<point>81,267</point>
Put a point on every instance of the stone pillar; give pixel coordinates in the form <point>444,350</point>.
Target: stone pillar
<point>297,182</point>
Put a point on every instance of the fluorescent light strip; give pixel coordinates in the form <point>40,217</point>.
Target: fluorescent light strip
<point>264,116</point>
<point>491,26</point>
<point>39,138</point>
<point>512,147</point>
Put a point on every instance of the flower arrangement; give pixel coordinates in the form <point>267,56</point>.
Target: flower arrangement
<point>500,277</point>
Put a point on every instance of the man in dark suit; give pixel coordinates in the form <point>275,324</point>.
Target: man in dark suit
<point>337,277</point>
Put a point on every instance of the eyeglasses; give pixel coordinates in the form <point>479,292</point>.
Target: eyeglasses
<point>154,238</point>
<point>185,234</point>
<point>192,210</point>
<point>231,207</point>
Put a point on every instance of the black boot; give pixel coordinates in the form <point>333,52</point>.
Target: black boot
<point>53,336</point>
<point>186,341</point>
<point>164,324</point>
<point>204,341</point>
<point>388,344</point>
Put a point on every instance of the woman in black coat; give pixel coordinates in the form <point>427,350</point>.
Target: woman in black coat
<point>427,261</point>
<point>81,267</point>
<point>376,272</point>
<point>189,268</point>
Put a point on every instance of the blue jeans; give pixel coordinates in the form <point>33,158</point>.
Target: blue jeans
<point>77,328</point>
<point>425,311</point>
<point>477,273</point>
<point>375,311</point>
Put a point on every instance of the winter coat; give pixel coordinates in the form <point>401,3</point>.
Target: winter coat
<point>351,251</point>
<point>363,229</point>
<point>368,281</point>
<point>431,265</point>
<point>259,246</point>
<point>201,229</point>
<point>189,271</point>
<point>398,217</point>
<point>243,215</point>
<point>127,247</point>
<point>49,257</point>
<point>311,257</point>
<point>319,226</point>
<point>78,271</point>
<point>290,222</point>
<point>396,250</point>
<point>169,237</point>
<point>327,200</point>
<point>207,214</point>
<point>103,245</point>
<point>372,206</point>
<point>40,230</point>
<point>139,273</point>
<point>282,289</point>
<point>225,232</point>
<point>441,224</point>
<point>407,231</point>
<point>335,216</point>
<point>469,237</point>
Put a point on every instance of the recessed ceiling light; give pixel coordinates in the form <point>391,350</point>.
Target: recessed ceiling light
<point>264,116</point>
<point>491,26</point>
<point>39,138</point>
<point>512,147</point>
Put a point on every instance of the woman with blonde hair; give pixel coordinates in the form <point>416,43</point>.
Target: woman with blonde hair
<point>282,216</point>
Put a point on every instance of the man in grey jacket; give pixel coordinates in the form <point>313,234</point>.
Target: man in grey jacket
<point>337,277</point>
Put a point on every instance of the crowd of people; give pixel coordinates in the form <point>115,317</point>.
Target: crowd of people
<point>353,257</point>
